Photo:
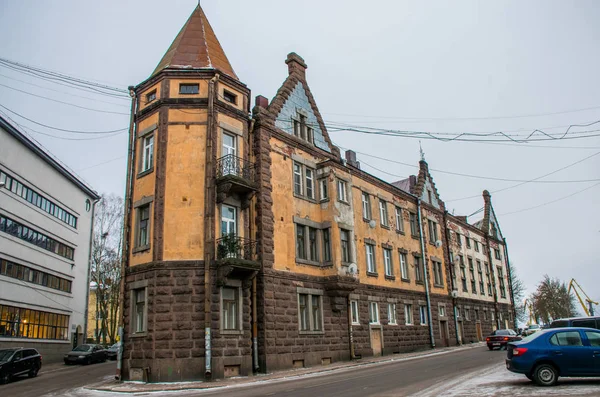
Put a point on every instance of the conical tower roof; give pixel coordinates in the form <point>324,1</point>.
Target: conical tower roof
<point>196,47</point>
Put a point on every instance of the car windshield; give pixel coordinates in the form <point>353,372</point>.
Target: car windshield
<point>5,354</point>
<point>83,348</point>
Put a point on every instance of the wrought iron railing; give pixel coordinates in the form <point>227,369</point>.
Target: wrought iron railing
<point>234,247</point>
<point>235,166</point>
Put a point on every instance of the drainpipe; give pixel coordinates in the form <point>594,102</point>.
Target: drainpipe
<point>426,273</point>
<point>452,273</point>
<point>126,226</point>
<point>350,335</point>
<point>509,272</point>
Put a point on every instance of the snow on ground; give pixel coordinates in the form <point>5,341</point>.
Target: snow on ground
<point>498,381</point>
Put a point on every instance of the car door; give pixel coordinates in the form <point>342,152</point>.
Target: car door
<point>18,363</point>
<point>569,353</point>
<point>593,340</point>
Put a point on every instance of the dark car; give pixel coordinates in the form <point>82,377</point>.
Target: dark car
<point>111,352</point>
<point>86,354</point>
<point>500,338</point>
<point>19,361</point>
<point>586,322</point>
<point>550,353</point>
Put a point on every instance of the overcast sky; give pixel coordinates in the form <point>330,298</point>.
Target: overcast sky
<point>442,67</point>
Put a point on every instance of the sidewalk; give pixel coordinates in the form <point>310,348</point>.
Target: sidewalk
<point>136,387</point>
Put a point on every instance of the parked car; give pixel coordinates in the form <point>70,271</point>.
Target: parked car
<point>500,338</point>
<point>111,352</point>
<point>86,354</point>
<point>531,329</point>
<point>19,361</point>
<point>587,322</point>
<point>548,354</point>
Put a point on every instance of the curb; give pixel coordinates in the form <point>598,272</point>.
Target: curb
<point>137,387</point>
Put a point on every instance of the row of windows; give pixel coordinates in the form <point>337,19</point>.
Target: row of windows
<point>192,89</point>
<point>30,275</point>
<point>474,244</point>
<point>475,315</point>
<point>17,322</point>
<point>23,232</point>
<point>37,199</point>
<point>313,244</point>
<point>392,317</point>
<point>488,277</point>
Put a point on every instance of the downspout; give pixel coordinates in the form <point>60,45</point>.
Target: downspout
<point>89,272</point>
<point>510,285</point>
<point>350,335</point>
<point>426,273</point>
<point>255,364</point>
<point>452,276</point>
<point>209,238</point>
<point>126,227</point>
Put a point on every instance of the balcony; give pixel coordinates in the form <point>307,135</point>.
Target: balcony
<point>234,176</point>
<point>236,258</point>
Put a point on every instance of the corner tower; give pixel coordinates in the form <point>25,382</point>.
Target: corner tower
<point>189,251</point>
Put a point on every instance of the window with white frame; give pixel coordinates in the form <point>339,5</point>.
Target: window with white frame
<point>230,309</point>
<point>387,261</point>
<point>408,315</point>
<point>399,220</point>
<point>370,255</point>
<point>442,311</point>
<point>437,273</point>
<point>143,226</point>
<point>383,213</point>
<point>433,236</point>
<point>342,190</point>
<point>139,310</point>
<point>345,245</point>
<point>354,312</point>
<point>404,266</point>
<point>147,153</point>
<point>414,227</point>
<point>310,312</point>
<point>497,253</point>
<point>392,313</point>
<point>366,205</point>
<point>324,189</point>
<point>423,314</point>
<point>312,244</point>
<point>476,245</point>
<point>418,269</point>
<point>373,313</point>
<point>304,181</point>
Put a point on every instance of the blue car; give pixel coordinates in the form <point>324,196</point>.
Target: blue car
<point>550,353</point>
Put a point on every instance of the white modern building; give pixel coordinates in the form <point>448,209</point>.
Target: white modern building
<point>46,219</point>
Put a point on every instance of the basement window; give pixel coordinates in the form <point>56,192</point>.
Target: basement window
<point>229,97</point>
<point>189,89</point>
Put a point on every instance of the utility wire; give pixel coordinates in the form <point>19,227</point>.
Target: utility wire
<point>99,164</point>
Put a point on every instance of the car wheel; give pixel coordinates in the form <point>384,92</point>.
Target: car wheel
<point>4,378</point>
<point>545,375</point>
<point>33,372</point>
<point>88,361</point>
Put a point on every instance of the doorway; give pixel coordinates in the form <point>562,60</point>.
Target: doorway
<point>444,333</point>
<point>479,333</point>
<point>376,344</point>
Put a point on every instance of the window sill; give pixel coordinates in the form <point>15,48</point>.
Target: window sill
<point>311,332</point>
<point>409,325</point>
<point>231,332</point>
<point>438,285</point>
<point>355,324</point>
<point>423,325</point>
<point>405,280</point>
<point>391,278</point>
<point>366,220</point>
<point>141,249</point>
<point>139,335</point>
<point>344,202</point>
<point>400,232</point>
<point>312,263</point>
<point>144,173</point>
<point>301,197</point>
<point>324,200</point>
<point>385,226</point>
<point>371,274</point>
<point>419,282</point>
<point>415,237</point>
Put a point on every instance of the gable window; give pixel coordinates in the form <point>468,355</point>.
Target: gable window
<point>151,96</point>
<point>418,270</point>
<point>188,89</point>
<point>354,311</point>
<point>230,308</point>
<point>433,237</point>
<point>437,273</point>
<point>366,206</point>
<point>399,220</point>
<point>310,312</point>
<point>392,313</point>
<point>345,245</point>
<point>373,313</point>
<point>430,196</point>
<point>304,182</point>
<point>324,189</point>
<point>342,191</point>
<point>148,153</point>
<point>387,261</point>
<point>230,97</point>
<point>301,128</point>
<point>383,213</point>
<point>414,229</point>
<point>423,314</point>
<point>476,245</point>
<point>403,266</point>
<point>370,254</point>
<point>143,213</point>
<point>472,272</point>
<point>408,316</point>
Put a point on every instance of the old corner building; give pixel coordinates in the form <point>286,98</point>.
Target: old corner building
<point>253,246</point>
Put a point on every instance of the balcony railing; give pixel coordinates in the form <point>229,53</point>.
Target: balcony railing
<point>234,247</point>
<point>230,165</point>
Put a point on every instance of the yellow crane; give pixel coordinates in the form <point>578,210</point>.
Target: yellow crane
<point>589,308</point>
<point>529,307</point>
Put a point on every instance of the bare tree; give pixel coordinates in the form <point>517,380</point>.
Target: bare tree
<point>106,265</point>
<point>518,290</point>
<point>552,300</point>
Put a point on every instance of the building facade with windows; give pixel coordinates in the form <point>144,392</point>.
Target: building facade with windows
<point>252,245</point>
<point>46,216</point>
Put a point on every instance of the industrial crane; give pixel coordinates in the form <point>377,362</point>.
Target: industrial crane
<point>529,307</point>
<point>589,308</point>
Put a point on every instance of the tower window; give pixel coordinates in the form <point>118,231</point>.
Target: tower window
<point>151,96</point>
<point>229,97</point>
<point>189,89</point>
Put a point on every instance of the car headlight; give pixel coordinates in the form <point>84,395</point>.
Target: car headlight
<point>81,356</point>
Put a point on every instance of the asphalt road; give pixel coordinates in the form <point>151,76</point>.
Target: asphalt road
<point>56,379</point>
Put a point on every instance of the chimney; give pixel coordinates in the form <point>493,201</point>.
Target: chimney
<point>261,101</point>
<point>351,159</point>
<point>486,196</point>
<point>296,64</point>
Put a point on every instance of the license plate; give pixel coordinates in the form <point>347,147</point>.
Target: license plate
<point>496,344</point>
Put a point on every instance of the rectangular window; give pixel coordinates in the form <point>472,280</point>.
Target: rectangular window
<point>151,96</point>
<point>317,323</point>
<point>312,245</point>
<point>468,239</point>
<point>143,226</point>
<point>497,253</point>
<point>15,270</point>
<point>230,97</point>
<point>342,191</point>
<point>404,266</point>
<point>298,186</point>
<point>387,261</point>
<point>354,310</point>
<point>476,245</point>
<point>423,314</point>
<point>189,89</point>
<point>310,312</point>
<point>399,220</point>
<point>366,206</point>
<point>310,183</point>
<point>230,308</point>
<point>139,306</point>
<point>442,311</point>
<point>414,229</point>
<point>326,245</point>
<point>303,312</point>
<point>463,277</point>
<point>472,274</point>
<point>480,274</point>
<point>300,241</point>
<point>433,237</point>
<point>383,213</point>
<point>408,315</point>
<point>392,314</point>
<point>324,190</point>
<point>437,273</point>
<point>17,322</point>
<point>418,270</point>
<point>148,153</point>
<point>488,278</point>
<point>345,245</point>
<point>501,282</point>
<point>370,255</point>
<point>373,313</point>
<point>304,181</point>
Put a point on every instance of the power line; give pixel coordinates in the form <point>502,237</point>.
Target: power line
<point>99,164</point>
<point>62,129</point>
